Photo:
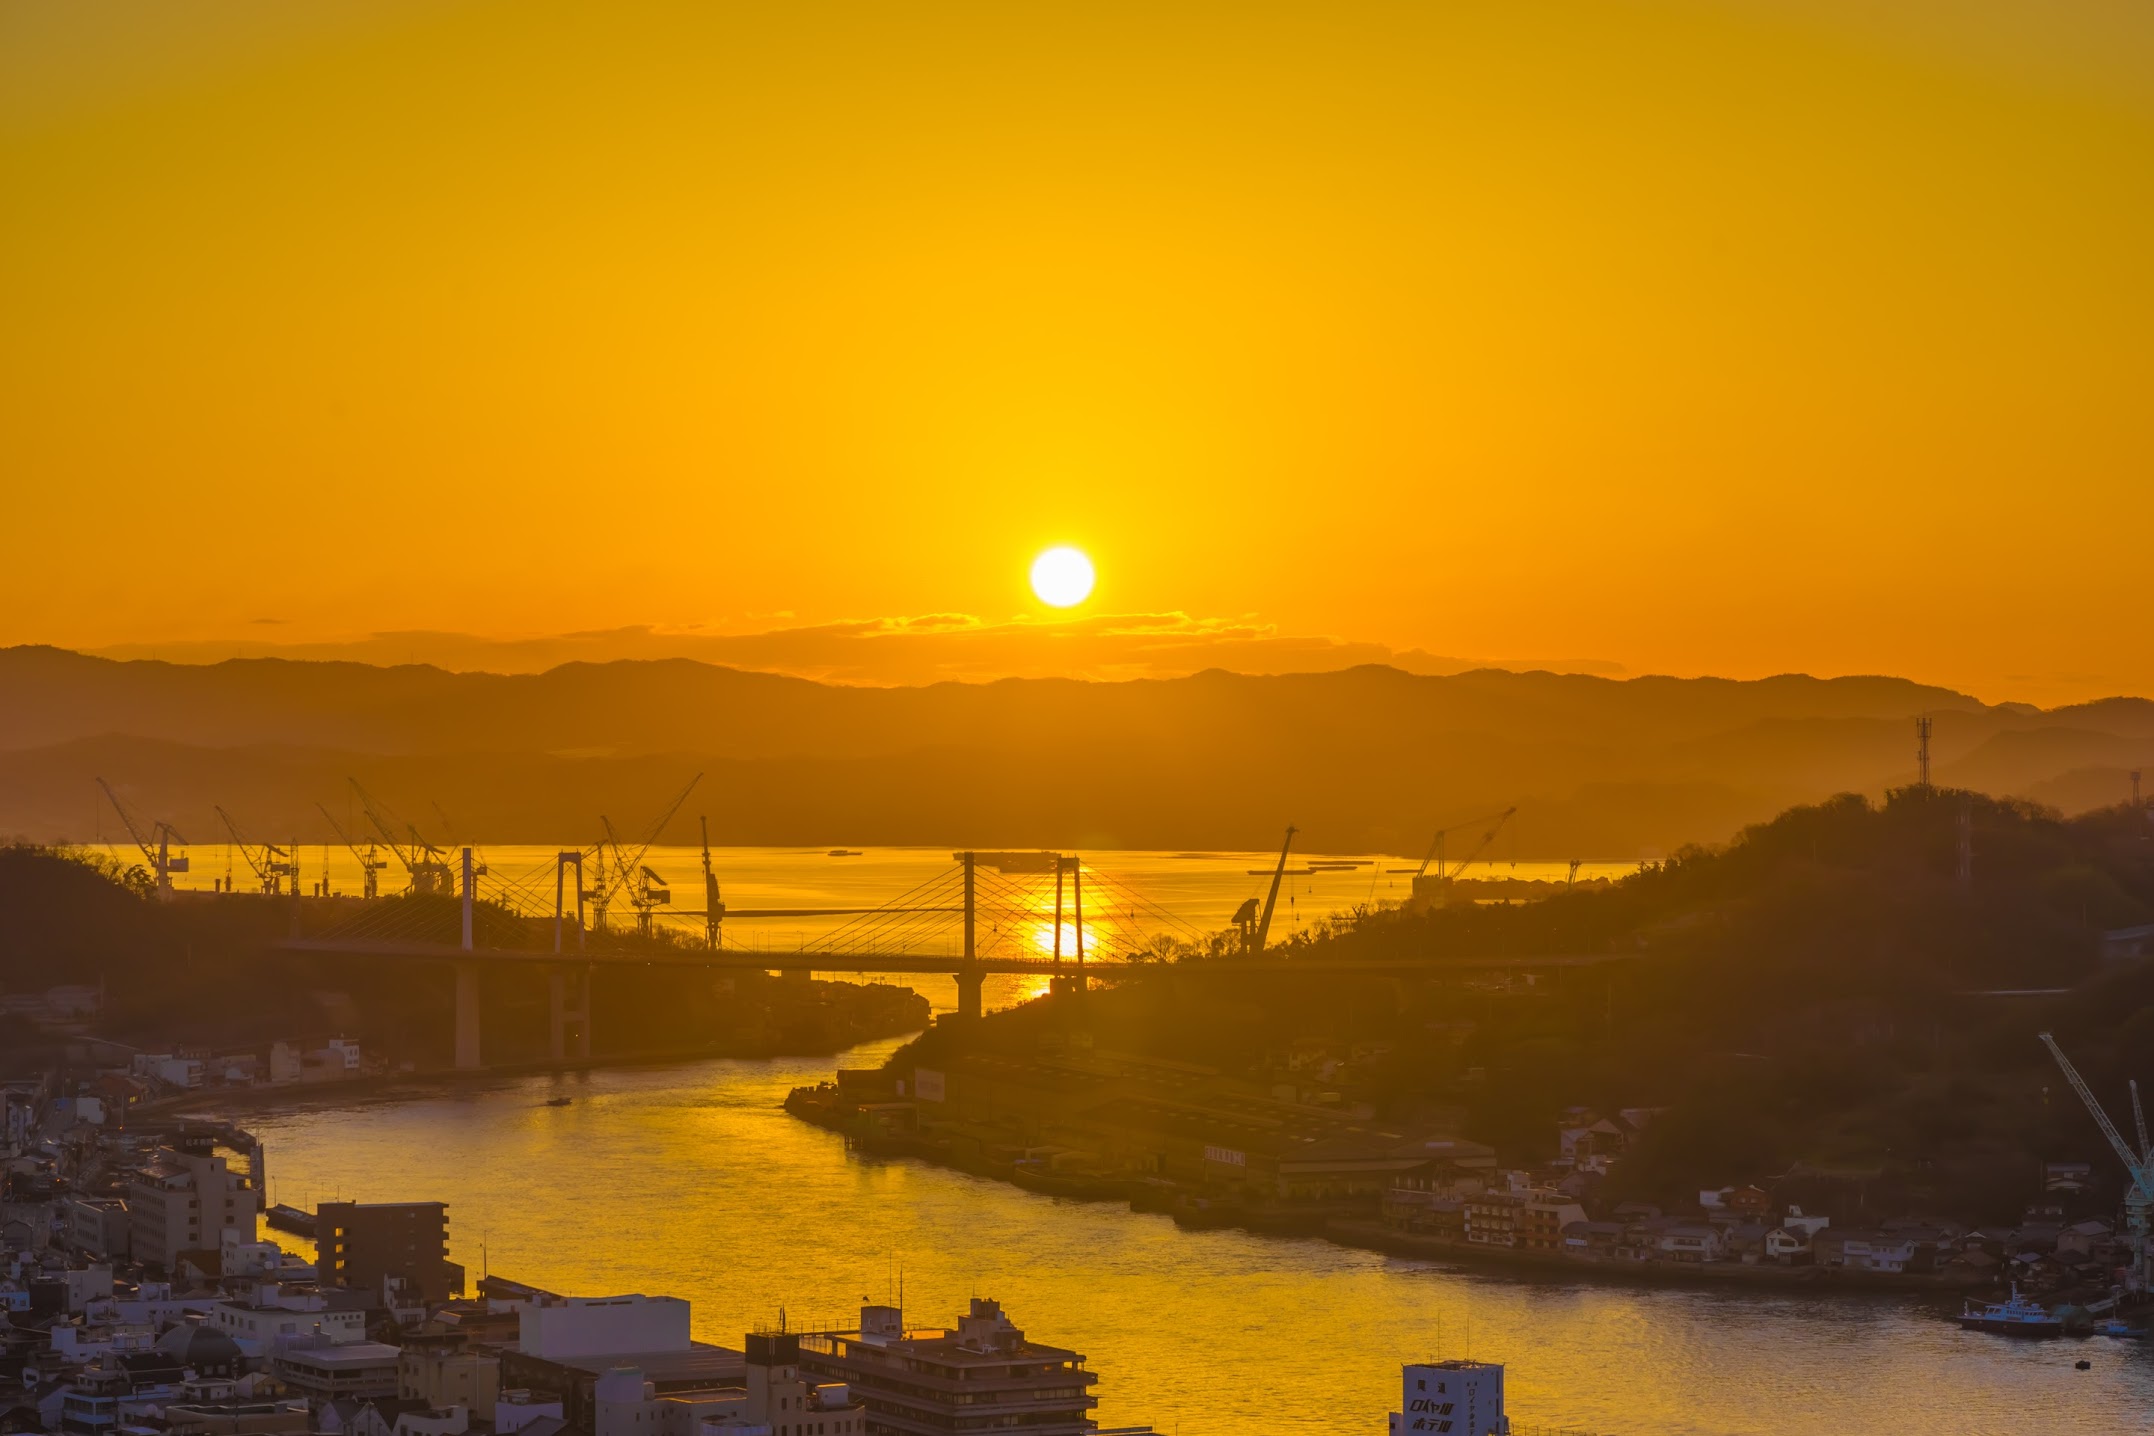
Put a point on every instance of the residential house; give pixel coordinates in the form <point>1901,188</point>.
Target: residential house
<point>1595,1239</point>
<point>1691,1242</point>
<point>1859,1249</point>
<point>1787,1245</point>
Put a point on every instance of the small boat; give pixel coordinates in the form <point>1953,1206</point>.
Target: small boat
<point>2018,1316</point>
<point>843,853</point>
<point>2118,1326</point>
<point>559,1101</point>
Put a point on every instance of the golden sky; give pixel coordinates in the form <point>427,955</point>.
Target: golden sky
<point>1731,337</point>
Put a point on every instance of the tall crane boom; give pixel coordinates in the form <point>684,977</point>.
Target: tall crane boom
<point>427,864</point>
<point>370,860</point>
<point>645,889</point>
<point>2139,1197</point>
<point>1436,844</point>
<point>2133,1163</point>
<point>1271,898</point>
<point>271,864</point>
<point>163,862</point>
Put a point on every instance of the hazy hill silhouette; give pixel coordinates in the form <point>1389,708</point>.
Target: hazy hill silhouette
<point>1364,758</point>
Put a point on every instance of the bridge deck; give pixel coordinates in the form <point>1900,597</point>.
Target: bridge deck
<point>736,960</point>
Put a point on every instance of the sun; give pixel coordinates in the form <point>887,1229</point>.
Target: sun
<point>1062,577</point>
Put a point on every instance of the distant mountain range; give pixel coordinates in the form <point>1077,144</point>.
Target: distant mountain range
<point>1362,759</point>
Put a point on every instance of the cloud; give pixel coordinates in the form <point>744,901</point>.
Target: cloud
<point>925,648</point>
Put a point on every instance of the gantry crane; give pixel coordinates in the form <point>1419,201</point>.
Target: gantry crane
<point>427,864</point>
<point>272,865</point>
<point>2138,1164</point>
<point>371,862</point>
<point>162,860</point>
<point>644,888</point>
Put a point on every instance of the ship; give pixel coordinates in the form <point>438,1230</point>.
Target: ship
<point>2017,1316</point>
<point>288,1218</point>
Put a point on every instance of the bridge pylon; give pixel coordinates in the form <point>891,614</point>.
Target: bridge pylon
<point>970,980</point>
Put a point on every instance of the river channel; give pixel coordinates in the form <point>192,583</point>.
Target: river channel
<point>689,1180</point>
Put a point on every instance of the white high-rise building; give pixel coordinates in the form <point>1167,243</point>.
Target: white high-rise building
<point>1452,1398</point>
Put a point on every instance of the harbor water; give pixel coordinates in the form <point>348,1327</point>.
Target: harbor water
<point>690,1180</point>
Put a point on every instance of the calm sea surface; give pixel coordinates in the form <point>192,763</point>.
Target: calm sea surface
<point>689,1180</point>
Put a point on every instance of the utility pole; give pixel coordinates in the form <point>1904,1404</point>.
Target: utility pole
<point>1922,751</point>
<point>2137,806</point>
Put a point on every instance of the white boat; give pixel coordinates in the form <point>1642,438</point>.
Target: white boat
<point>2118,1326</point>
<point>2018,1316</point>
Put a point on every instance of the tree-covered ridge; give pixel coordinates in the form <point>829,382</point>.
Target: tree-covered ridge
<point>1822,992</point>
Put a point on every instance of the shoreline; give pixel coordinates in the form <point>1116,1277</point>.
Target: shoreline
<point>378,1084</point>
<point>1369,1234</point>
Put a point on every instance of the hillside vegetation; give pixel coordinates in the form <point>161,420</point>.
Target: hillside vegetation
<point>1820,995</point>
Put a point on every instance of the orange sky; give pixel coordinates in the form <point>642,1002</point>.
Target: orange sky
<point>1728,337</point>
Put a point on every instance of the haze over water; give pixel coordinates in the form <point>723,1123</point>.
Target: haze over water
<point>689,1180</point>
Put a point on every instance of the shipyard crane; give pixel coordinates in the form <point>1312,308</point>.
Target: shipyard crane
<point>1255,923</point>
<point>2138,1165</point>
<point>713,904</point>
<point>479,869</point>
<point>427,864</point>
<point>271,864</point>
<point>162,860</point>
<point>644,888</point>
<point>1433,889</point>
<point>371,862</point>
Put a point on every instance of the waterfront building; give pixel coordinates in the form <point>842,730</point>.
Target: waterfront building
<point>1492,1218</point>
<point>183,1201</point>
<point>982,1376</point>
<point>362,1244</point>
<point>1542,1219</point>
<point>1451,1398</point>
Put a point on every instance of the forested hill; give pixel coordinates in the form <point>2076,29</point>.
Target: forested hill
<point>1365,759</point>
<point>1823,993</point>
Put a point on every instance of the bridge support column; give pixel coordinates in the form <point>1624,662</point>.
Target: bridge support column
<point>969,985</point>
<point>467,1017</point>
<point>568,1009</point>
